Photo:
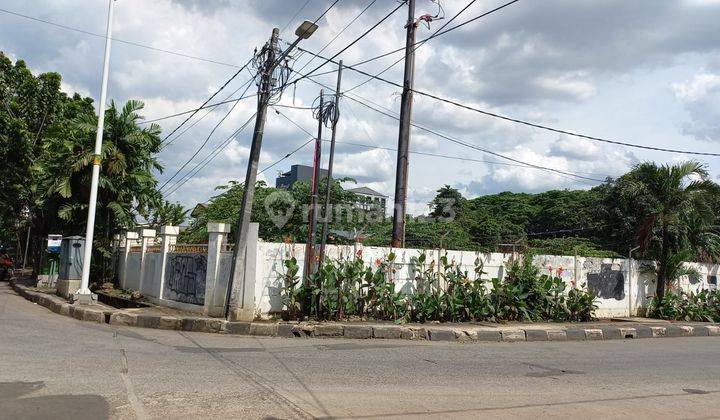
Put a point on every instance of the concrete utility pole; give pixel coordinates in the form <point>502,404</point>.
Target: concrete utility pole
<point>328,189</point>
<point>238,260</point>
<point>84,295</point>
<point>313,210</point>
<point>401,174</point>
<point>239,309</point>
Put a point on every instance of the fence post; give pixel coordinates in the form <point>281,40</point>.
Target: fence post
<point>169,237</point>
<point>130,238</point>
<point>214,294</point>
<point>145,236</point>
<point>244,295</point>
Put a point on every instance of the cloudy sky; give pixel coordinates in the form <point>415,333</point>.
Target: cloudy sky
<point>644,71</point>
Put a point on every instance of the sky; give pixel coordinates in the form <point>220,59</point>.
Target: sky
<point>645,72</point>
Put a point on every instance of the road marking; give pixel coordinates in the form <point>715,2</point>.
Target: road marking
<point>132,396</point>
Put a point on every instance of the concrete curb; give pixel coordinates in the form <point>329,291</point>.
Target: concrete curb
<point>359,331</point>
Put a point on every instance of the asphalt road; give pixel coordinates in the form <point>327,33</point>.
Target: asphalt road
<point>57,367</point>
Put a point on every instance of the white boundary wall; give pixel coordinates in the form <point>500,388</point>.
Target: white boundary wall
<point>624,287</point>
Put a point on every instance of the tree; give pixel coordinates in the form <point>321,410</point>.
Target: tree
<point>281,214</point>
<point>127,185</point>
<point>167,214</point>
<point>672,207</point>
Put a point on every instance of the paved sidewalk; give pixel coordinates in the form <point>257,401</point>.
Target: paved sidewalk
<point>463,332</point>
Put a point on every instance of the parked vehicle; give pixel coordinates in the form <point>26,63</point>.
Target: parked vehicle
<point>6,264</point>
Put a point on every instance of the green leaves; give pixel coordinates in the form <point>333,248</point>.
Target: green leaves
<point>347,288</point>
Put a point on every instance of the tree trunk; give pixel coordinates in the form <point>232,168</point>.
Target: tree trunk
<point>663,268</point>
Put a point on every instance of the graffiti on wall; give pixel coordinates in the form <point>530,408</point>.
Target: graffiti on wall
<point>712,280</point>
<point>606,280</point>
<point>186,277</point>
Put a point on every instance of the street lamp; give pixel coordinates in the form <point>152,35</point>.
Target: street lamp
<point>243,307</point>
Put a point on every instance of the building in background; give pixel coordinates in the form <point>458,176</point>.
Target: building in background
<point>370,199</point>
<point>297,173</point>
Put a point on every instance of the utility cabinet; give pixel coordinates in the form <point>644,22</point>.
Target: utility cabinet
<point>72,251</point>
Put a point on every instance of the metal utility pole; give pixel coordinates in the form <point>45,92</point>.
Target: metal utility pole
<point>313,210</point>
<point>243,310</point>
<point>401,175</point>
<point>237,270</point>
<point>328,188</point>
<point>83,295</point>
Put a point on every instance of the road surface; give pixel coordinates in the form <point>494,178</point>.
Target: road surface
<point>53,366</point>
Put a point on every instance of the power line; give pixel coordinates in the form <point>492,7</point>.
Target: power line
<point>527,123</point>
<point>295,15</point>
<point>417,45</point>
<point>232,108</point>
<point>213,105</point>
<point>461,142</point>
<point>208,99</point>
<point>287,155</point>
<point>519,163</point>
<point>135,44</point>
<point>438,33</point>
<point>207,159</point>
<point>172,140</point>
<point>328,60</point>
<point>339,33</point>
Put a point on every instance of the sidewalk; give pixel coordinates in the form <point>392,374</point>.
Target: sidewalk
<point>611,329</point>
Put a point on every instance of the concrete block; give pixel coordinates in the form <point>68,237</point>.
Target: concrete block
<point>209,325</point>
<point>387,332</point>
<point>67,288</point>
<point>713,330</point>
<point>488,335</point>
<point>611,333</point>
<point>65,309</point>
<point>593,334</point>
<point>263,329</point>
<point>170,230</point>
<point>513,335</point>
<point>358,331</point>
<point>536,335</point>
<point>239,328</point>
<point>169,323</point>
<point>575,334</point>
<point>628,332</point>
<point>555,335</point>
<point>148,321</point>
<point>331,330</point>
<point>77,312</point>
<point>413,333</point>
<point>123,318</point>
<point>94,316</point>
<point>700,331</point>
<point>659,332</point>
<point>643,332</point>
<point>465,335</point>
<point>679,330</point>
<point>441,334</point>
<point>288,331</point>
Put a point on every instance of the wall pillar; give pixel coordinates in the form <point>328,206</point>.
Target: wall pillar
<point>243,294</point>
<point>145,236</point>
<point>130,238</point>
<point>214,292</point>
<point>169,236</point>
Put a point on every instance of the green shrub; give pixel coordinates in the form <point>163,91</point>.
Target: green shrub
<point>348,288</point>
<point>681,306</point>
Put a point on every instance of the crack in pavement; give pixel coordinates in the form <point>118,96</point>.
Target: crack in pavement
<point>253,379</point>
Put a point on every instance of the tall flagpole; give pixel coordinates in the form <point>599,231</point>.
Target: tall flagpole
<point>83,294</point>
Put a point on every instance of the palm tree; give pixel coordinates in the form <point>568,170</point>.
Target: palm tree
<point>679,221</point>
<point>127,186</point>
